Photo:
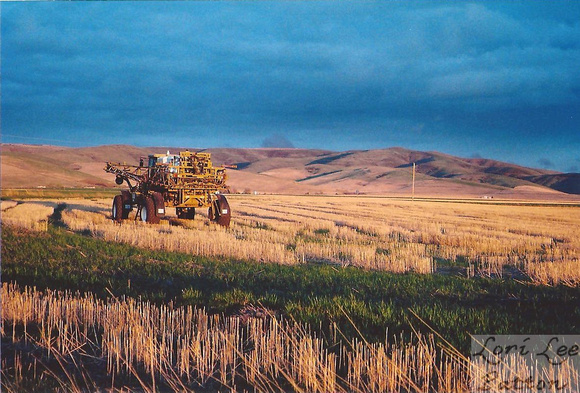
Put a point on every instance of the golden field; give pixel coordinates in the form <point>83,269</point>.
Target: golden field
<point>82,341</point>
<point>541,241</point>
<point>167,348</point>
<point>181,346</point>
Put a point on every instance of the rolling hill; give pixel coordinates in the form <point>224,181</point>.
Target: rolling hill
<point>271,170</point>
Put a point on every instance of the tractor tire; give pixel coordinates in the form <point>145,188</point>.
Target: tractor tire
<point>148,212</point>
<point>127,204</point>
<point>219,212</point>
<point>117,209</point>
<point>224,212</point>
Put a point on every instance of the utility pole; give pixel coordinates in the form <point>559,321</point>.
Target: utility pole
<point>413,196</point>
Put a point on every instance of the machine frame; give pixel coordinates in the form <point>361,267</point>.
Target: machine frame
<point>185,181</point>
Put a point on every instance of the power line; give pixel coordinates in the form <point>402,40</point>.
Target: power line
<point>413,197</point>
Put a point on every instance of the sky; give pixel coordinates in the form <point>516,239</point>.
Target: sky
<point>492,79</point>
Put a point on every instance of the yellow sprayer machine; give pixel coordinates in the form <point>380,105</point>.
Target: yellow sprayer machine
<point>186,181</point>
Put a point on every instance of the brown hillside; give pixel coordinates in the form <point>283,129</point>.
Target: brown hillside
<point>385,171</point>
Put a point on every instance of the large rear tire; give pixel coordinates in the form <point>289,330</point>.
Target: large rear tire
<point>148,212</point>
<point>117,209</point>
<point>220,212</point>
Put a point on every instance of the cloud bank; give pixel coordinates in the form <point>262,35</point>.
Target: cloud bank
<point>499,78</point>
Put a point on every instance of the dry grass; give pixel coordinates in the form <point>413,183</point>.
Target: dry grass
<point>7,205</point>
<point>374,233</point>
<point>28,215</point>
<point>185,348</point>
<point>74,338</point>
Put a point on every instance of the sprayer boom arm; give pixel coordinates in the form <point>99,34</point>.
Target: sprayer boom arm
<point>126,172</point>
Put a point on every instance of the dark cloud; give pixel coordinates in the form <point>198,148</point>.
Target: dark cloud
<point>277,140</point>
<point>497,77</point>
<point>545,163</point>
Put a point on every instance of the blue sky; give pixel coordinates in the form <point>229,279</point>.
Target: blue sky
<point>496,79</point>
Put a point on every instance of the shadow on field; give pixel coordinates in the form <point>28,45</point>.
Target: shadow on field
<point>56,217</point>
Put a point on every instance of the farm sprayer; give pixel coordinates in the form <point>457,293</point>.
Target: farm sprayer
<point>186,182</point>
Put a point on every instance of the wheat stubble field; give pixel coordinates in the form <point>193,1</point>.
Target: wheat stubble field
<point>542,241</point>
<point>301,293</point>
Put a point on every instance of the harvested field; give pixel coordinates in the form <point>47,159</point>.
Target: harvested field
<point>308,293</point>
<point>540,241</point>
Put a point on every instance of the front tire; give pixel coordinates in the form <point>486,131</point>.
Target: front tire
<point>148,212</point>
<point>127,204</point>
<point>117,209</point>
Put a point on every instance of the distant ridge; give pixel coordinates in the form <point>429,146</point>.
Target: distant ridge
<point>272,170</point>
